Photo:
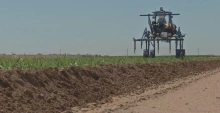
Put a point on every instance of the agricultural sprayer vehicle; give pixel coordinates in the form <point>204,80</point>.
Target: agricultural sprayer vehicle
<point>161,30</point>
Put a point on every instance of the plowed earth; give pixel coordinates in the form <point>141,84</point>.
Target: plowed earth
<point>55,90</point>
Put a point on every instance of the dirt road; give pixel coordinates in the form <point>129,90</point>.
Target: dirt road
<point>200,94</point>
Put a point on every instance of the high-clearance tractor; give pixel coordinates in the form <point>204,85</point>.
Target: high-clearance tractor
<point>161,30</point>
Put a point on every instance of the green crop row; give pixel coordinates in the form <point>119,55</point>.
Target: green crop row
<point>36,63</point>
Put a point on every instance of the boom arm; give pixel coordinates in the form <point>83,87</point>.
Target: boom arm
<point>158,14</point>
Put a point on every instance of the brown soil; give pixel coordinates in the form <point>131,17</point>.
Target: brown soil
<point>56,90</point>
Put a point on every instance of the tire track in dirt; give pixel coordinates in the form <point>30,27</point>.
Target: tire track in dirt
<point>133,103</point>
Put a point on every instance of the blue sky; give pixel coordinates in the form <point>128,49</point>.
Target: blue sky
<point>101,26</point>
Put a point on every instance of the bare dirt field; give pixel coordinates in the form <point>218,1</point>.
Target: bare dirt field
<point>56,90</point>
<point>193,94</point>
<point>202,96</point>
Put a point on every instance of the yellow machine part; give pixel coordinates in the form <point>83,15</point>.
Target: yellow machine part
<point>169,26</point>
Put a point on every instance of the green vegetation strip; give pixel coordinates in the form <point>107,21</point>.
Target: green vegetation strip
<point>36,63</point>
